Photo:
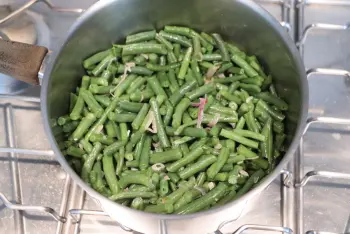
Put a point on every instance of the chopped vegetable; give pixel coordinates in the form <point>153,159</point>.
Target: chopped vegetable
<point>173,122</point>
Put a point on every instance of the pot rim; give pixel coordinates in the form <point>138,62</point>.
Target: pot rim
<point>267,180</point>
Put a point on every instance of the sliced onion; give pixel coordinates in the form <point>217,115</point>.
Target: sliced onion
<point>166,177</point>
<point>99,128</point>
<point>158,167</point>
<point>156,145</point>
<point>149,120</point>
<point>249,99</point>
<point>200,189</point>
<point>211,185</point>
<point>243,173</point>
<point>218,146</point>
<point>145,56</point>
<point>211,71</point>
<point>221,75</point>
<point>214,121</point>
<point>202,102</point>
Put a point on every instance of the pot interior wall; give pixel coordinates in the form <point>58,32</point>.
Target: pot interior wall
<point>234,20</point>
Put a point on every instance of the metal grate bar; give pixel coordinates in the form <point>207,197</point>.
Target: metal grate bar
<point>20,207</point>
<point>30,3</point>
<point>327,2</point>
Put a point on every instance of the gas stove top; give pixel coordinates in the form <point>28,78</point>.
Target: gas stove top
<point>31,176</point>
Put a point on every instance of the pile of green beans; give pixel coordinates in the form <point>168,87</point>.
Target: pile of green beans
<point>174,121</point>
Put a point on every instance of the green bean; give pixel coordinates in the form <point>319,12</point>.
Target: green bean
<point>96,58</point>
<point>111,149</point>
<point>112,129</point>
<point>253,81</point>
<point>138,70</point>
<point>163,187</point>
<point>196,72</point>
<point>221,46</point>
<point>190,157</point>
<point>251,122</point>
<point>99,81</point>
<point>230,79</point>
<point>247,153</point>
<point>208,118</point>
<point>92,103</point>
<point>184,31</point>
<point>236,70</point>
<point>90,160</point>
<point>153,58</point>
<point>142,179</point>
<point>159,123</point>
<point>99,137</point>
<point>173,177</point>
<point>179,110</point>
<point>145,154</point>
<point>227,198</point>
<point>253,179</point>
<point>211,57</point>
<point>122,118</point>
<point>230,97</point>
<point>221,110</point>
<point>103,65</point>
<point>265,149</point>
<point>69,127</point>
<point>155,67</point>
<point>103,100</point>
<point>173,82</point>
<point>233,136</point>
<point>208,38</point>
<point>156,87</point>
<point>221,176</point>
<point>140,116</point>
<point>197,167</point>
<point>164,41</point>
<point>166,156</point>
<point>137,203</point>
<point>185,63</point>
<point>197,53</point>
<point>83,126</point>
<point>279,140</point>
<point>243,64</point>
<point>274,100</point>
<point>201,91</point>
<point>143,48</point>
<point>177,194</point>
<point>214,195</point>
<point>177,51</point>
<point>86,145</point>
<point>178,95</point>
<point>241,123</point>
<point>140,60</point>
<point>235,158</point>
<point>111,178</point>
<point>216,167</point>
<point>63,120</point>
<point>274,114</point>
<point>182,140</point>
<point>141,37</point>
<point>75,151</point>
<point>176,38</point>
<point>250,134</point>
<point>72,101</point>
<point>136,84</point>
<point>160,208</point>
<point>131,194</point>
<point>194,132</point>
<point>253,89</point>
<point>227,167</point>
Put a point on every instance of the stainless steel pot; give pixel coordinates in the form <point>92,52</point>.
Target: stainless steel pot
<point>106,22</point>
